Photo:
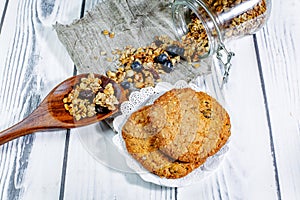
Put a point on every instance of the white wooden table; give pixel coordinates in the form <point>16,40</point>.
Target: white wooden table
<point>263,96</point>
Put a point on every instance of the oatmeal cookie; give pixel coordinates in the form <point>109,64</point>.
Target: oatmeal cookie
<point>204,127</point>
<point>143,146</point>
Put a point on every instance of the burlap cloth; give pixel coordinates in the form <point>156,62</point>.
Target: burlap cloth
<point>134,22</point>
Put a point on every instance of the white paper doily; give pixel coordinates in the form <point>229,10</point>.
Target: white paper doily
<point>146,96</point>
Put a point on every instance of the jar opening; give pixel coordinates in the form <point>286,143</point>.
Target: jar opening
<point>194,22</point>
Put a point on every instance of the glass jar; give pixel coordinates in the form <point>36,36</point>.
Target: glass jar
<point>206,24</point>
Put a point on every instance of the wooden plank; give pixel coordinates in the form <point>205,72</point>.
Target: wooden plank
<point>247,171</point>
<point>90,4</point>
<point>32,61</point>
<point>88,179</point>
<point>3,7</point>
<point>279,54</point>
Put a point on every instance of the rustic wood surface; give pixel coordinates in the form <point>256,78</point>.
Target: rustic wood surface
<point>263,98</point>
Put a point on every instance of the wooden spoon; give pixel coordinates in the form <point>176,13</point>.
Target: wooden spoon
<point>51,114</point>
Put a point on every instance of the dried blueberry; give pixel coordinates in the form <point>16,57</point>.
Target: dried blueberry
<point>168,66</point>
<point>125,84</point>
<point>174,50</point>
<point>136,66</point>
<point>100,109</point>
<point>161,58</point>
<point>86,94</point>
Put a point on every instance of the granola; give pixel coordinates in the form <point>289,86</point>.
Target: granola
<point>89,97</point>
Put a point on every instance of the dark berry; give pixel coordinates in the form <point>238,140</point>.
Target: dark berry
<point>86,94</point>
<point>167,66</point>
<point>125,84</point>
<point>100,109</point>
<point>174,50</point>
<point>136,66</point>
<point>161,58</point>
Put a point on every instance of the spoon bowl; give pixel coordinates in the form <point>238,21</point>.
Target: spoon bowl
<point>51,113</point>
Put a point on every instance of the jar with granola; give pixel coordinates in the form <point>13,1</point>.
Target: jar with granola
<point>206,24</point>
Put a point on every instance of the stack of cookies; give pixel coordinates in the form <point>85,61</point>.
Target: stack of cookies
<point>177,133</point>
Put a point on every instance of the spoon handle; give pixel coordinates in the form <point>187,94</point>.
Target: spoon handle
<point>36,121</point>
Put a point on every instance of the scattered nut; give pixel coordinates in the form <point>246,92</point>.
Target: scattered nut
<point>112,35</point>
<point>105,32</point>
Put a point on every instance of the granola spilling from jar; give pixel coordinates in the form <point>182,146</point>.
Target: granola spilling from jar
<point>142,67</point>
<point>90,97</point>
